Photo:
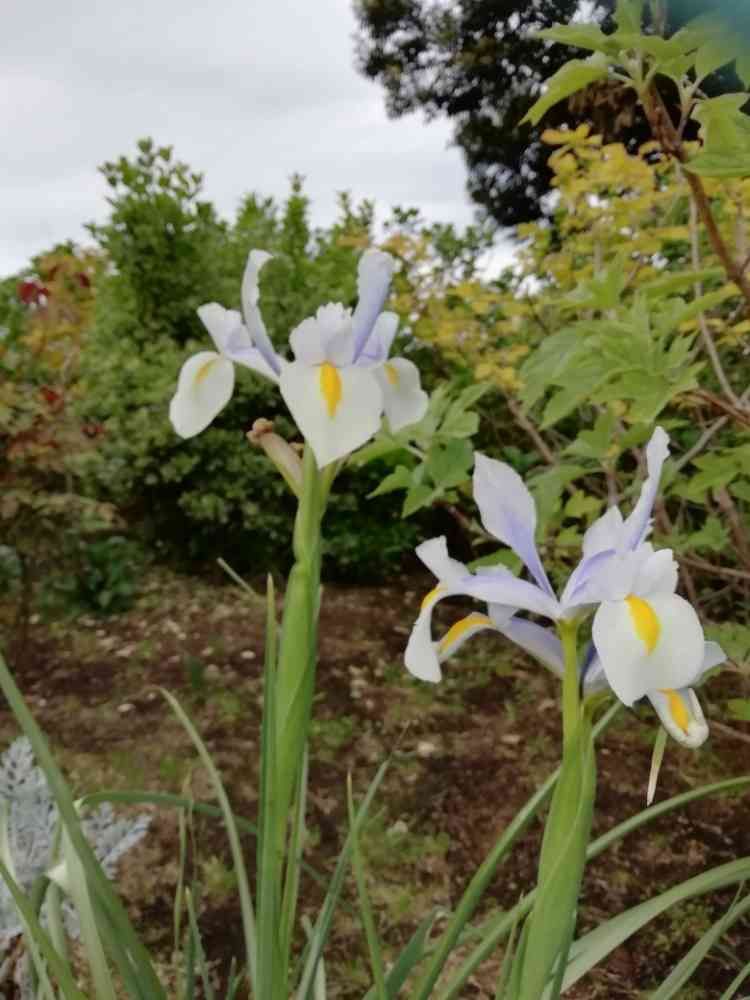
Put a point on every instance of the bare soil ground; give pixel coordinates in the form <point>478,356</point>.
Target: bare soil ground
<point>468,754</point>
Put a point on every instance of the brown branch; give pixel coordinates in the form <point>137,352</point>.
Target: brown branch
<point>668,138</point>
<point>523,421</point>
<point>707,567</point>
<point>736,525</point>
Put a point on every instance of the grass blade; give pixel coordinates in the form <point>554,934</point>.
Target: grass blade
<point>243,886</point>
<point>365,908</point>
<point>597,944</point>
<point>322,926</point>
<point>684,969</point>
<point>197,947</point>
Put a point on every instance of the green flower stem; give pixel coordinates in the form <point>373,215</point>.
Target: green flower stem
<point>571,702</point>
<point>296,667</point>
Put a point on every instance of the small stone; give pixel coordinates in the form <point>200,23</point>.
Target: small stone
<point>511,739</point>
<point>397,829</point>
<point>127,706</point>
<point>212,672</point>
<point>426,749</point>
<point>34,620</point>
<point>207,651</point>
<point>247,654</point>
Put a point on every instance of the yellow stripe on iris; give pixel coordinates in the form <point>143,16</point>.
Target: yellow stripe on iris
<point>330,387</point>
<point>646,623</point>
<point>459,630</point>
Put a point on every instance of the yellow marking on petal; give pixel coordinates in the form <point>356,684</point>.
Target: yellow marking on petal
<point>204,370</point>
<point>677,709</point>
<point>432,596</point>
<point>646,623</point>
<point>391,373</point>
<point>330,386</point>
<point>459,630</point>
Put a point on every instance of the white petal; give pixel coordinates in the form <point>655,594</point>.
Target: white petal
<point>657,574</point>
<point>404,400</point>
<point>663,648</point>
<point>681,715</point>
<point>308,342</point>
<point>638,524</point>
<point>713,655</point>
<point>434,554</point>
<point>421,656</point>
<point>373,284</point>
<point>203,390</point>
<point>221,323</point>
<point>508,512</point>
<point>253,319</point>
<point>338,420</point>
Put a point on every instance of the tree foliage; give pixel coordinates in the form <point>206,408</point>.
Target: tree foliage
<point>480,64</point>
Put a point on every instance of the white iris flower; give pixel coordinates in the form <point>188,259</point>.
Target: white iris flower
<point>340,381</point>
<point>647,641</point>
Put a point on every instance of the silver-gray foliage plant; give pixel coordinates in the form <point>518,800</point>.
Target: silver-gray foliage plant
<point>32,825</point>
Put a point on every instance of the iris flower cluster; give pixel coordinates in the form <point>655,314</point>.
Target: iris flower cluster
<point>340,381</point>
<point>647,641</point>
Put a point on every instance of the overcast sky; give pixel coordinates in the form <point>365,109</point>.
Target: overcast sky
<point>247,91</point>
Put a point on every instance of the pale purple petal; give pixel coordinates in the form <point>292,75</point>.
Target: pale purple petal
<point>542,643</point>
<point>604,533</point>
<point>508,512</point>
<point>581,587</point>
<point>253,319</point>
<point>373,284</point>
<point>379,345</point>
<point>638,524</point>
<point>497,585</point>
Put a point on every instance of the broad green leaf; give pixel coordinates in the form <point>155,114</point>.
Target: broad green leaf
<point>570,78</point>
<point>715,53</point>
<point>743,66</point>
<point>596,443</point>
<point>720,164</point>
<point>449,464</point>
<point>629,15</point>
<point>399,479</point>
<point>418,496</point>
<point>582,36</point>
<point>581,505</point>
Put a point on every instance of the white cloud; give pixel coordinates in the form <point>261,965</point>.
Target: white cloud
<point>247,91</point>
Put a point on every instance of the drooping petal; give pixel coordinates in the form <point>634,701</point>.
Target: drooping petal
<point>681,715</point>
<point>373,283</point>
<point>336,409</point>
<point>647,645</point>
<point>404,399</point>
<point>253,319</point>
<point>508,512</point>
<point>221,323</point>
<point>434,554</point>
<point>497,585</point>
<point>638,524</point>
<point>461,632</point>
<point>379,344</point>
<point>204,388</point>
<point>421,657</point>
<point>542,643</point>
